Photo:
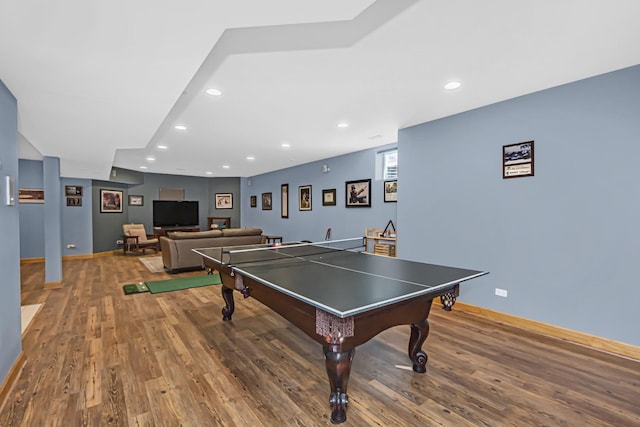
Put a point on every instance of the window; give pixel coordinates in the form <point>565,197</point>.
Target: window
<point>390,164</point>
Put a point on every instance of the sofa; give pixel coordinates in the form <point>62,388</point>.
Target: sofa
<point>176,246</point>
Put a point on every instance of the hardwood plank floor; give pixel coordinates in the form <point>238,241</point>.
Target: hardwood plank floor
<point>96,357</point>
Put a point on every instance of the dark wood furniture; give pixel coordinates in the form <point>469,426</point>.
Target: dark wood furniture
<point>272,240</point>
<point>218,219</point>
<point>162,231</point>
<point>354,304</point>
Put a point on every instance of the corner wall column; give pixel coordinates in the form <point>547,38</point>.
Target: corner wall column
<point>52,223</point>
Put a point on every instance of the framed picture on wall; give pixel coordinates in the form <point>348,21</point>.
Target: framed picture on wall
<point>73,191</point>
<point>304,198</point>
<point>110,201</point>
<point>284,201</point>
<point>358,193</point>
<point>391,191</point>
<point>30,195</point>
<point>136,200</point>
<point>74,201</point>
<point>224,201</point>
<point>253,201</point>
<point>329,197</point>
<point>266,201</point>
<point>517,160</point>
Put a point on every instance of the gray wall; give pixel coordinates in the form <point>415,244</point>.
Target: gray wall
<point>565,243</point>
<point>31,214</point>
<point>77,220</point>
<point>107,227</point>
<point>312,225</point>
<point>10,334</point>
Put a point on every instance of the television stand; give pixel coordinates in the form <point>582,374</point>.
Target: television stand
<point>162,231</point>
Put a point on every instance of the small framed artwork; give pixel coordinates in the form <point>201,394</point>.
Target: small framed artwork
<point>517,160</point>
<point>73,191</point>
<point>358,193</point>
<point>329,197</point>
<point>391,191</point>
<point>284,201</point>
<point>253,201</point>
<point>266,201</point>
<point>304,198</point>
<point>136,200</point>
<point>110,201</point>
<point>30,195</point>
<point>224,201</point>
<point>74,201</point>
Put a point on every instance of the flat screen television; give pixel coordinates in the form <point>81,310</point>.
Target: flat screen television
<point>175,213</point>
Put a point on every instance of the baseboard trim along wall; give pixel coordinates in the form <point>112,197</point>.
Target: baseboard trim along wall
<point>599,343</point>
<point>11,378</point>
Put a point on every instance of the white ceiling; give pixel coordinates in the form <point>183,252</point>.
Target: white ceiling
<point>101,84</point>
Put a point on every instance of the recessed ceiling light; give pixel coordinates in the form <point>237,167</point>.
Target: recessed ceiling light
<point>214,92</point>
<point>225,166</point>
<point>151,159</point>
<point>285,145</point>
<point>143,167</point>
<point>452,85</point>
<point>162,147</point>
<point>251,157</point>
<point>209,173</point>
<point>180,127</point>
<point>343,125</point>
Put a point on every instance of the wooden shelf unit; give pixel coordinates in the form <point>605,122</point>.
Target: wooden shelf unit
<point>217,219</point>
<point>378,244</point>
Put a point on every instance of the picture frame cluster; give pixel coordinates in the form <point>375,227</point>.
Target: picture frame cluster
<point>357,195</point>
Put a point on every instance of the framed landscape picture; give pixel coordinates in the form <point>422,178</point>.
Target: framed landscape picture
<point>391,191</point>
<point>266,201</point>
<point>136,200</point>
<point>304,198</point>
<point>224,201</point>
<point>329,197</point>
<point>358,193</point>
<point>110,201</point>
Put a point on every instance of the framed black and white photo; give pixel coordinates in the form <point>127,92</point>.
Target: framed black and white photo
<point>110,201</point>
<point>224,201</point>
<point>304,198</point>
<point>517,160</point>
<point>253,201</point>
<point>73,191</point>
<point>136,200</point>
<point>329,197</point>
<point>266,201</point>
<point>284,201</point>
<point>358,193</point>
<point>391,191</point>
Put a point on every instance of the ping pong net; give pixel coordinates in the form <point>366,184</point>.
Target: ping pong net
<point>238,255</point>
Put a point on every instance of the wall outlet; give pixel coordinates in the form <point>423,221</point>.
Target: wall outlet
<point>71,246</point>
<point>119,242</point>
<point>501,292</point>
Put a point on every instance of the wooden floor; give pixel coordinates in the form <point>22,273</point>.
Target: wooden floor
<point>96,357</point>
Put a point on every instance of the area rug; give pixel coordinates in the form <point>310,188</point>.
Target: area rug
<point>154,263</point>
<point>177,284</point>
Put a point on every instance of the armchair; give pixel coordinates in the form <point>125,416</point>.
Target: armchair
<point>135,237</point>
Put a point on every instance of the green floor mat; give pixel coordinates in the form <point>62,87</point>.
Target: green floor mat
<point>183,283</point>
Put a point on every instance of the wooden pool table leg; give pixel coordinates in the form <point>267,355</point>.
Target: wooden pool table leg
<point>229,308</point>
<point>419,333</point>
<point>338,369</point>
